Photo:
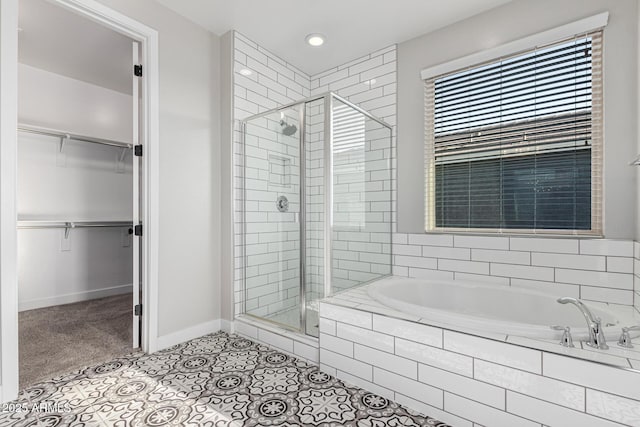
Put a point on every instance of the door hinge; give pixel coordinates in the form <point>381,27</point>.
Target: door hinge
<point>137,230</point>
<point>137,310</point>
<point>137,150</point>
<point>137,70</point>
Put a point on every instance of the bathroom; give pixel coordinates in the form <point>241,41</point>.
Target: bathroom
<point>311,207</point>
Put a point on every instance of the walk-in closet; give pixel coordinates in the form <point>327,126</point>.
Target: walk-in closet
<point>76,198</point>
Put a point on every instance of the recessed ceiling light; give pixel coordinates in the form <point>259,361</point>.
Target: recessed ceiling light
<point>315,40</point>
<point>246,72</point>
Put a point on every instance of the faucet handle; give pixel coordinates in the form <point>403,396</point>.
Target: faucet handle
<point>625,338</point>
<point>566,340</point>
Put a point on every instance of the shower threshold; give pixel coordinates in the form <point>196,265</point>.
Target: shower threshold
<point>291,316</point>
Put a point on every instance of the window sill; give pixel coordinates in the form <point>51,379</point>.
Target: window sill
<point>553,234</point>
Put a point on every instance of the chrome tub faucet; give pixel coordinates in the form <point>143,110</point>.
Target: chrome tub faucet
<point>594,324</point>
<point>625,338</point>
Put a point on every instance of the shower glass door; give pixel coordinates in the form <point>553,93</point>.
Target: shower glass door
<point>272,217</point>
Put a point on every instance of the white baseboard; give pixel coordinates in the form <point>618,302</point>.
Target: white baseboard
<point>74,297</point>
<point>187,334</point>
<point>227,326</point>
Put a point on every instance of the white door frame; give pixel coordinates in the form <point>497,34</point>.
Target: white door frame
<point>137,219</point>
<point>149,126</point>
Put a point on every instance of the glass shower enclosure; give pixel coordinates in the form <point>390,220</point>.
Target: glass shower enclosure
<point>317,207</point>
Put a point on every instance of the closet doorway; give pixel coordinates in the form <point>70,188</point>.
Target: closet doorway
<point>79,196</point>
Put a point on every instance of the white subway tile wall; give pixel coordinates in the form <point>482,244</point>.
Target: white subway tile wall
<point>364,185</point>
<point>273,261</point>
<point>364,197</point>
<point>591,269</point>
<point>470,381</point>
<point>272,169</point>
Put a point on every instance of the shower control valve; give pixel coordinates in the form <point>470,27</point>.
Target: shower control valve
<point>566,340</point>
<point>625,338</point>
<point>282,204</point>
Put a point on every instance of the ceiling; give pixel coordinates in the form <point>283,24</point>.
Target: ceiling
<point>353,28</point>
<point>57,40</point>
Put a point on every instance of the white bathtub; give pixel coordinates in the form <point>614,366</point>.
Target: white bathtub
<point>488,308</point>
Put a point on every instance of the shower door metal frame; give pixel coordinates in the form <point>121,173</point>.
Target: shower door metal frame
<point>328,198</point>
<point>301,215</point>
<point>328,193</point>
<point>302,218</point>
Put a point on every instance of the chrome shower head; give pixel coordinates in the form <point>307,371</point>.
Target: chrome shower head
<point>288,129</point>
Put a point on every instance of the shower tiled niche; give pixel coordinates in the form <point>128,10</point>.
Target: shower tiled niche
<point>324,242</point>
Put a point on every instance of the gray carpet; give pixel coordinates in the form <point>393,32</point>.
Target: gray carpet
<point>56,340</point>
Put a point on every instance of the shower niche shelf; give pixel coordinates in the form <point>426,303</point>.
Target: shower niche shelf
<point>280,171</point>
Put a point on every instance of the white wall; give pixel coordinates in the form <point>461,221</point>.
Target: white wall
<point>189,264</point>
<point>498,26</point>
<point>84,182</point>
<point>95,263</point>
<point>59,102</point>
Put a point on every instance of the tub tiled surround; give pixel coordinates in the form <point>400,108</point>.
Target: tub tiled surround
<point>591,269</point>
<point>468,380</point>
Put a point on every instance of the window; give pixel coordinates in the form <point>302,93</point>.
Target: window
<point>516,144</point>
<point>349,167</point>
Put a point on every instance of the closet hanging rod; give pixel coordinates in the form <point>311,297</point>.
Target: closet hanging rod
<point>73,224</point>
<point>61,134</point>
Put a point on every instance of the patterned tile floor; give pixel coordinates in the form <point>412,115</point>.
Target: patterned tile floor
<point>216,380</point>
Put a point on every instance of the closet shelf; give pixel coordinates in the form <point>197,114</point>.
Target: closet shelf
<point>73,224</point>
<point>71,136</point>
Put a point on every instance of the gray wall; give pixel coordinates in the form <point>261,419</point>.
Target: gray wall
<point>504,24</point>
<point>226,172</point>
<point>638,140</point>
<point>189,272</point>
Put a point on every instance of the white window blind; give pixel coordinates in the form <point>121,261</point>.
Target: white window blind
<point>349,137</point>
<point>515,144</point>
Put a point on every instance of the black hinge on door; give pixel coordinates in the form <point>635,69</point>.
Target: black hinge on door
<point>137,310</point>
<point>137,70</point>
<point>137,150</point>
<point>137,230</point>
